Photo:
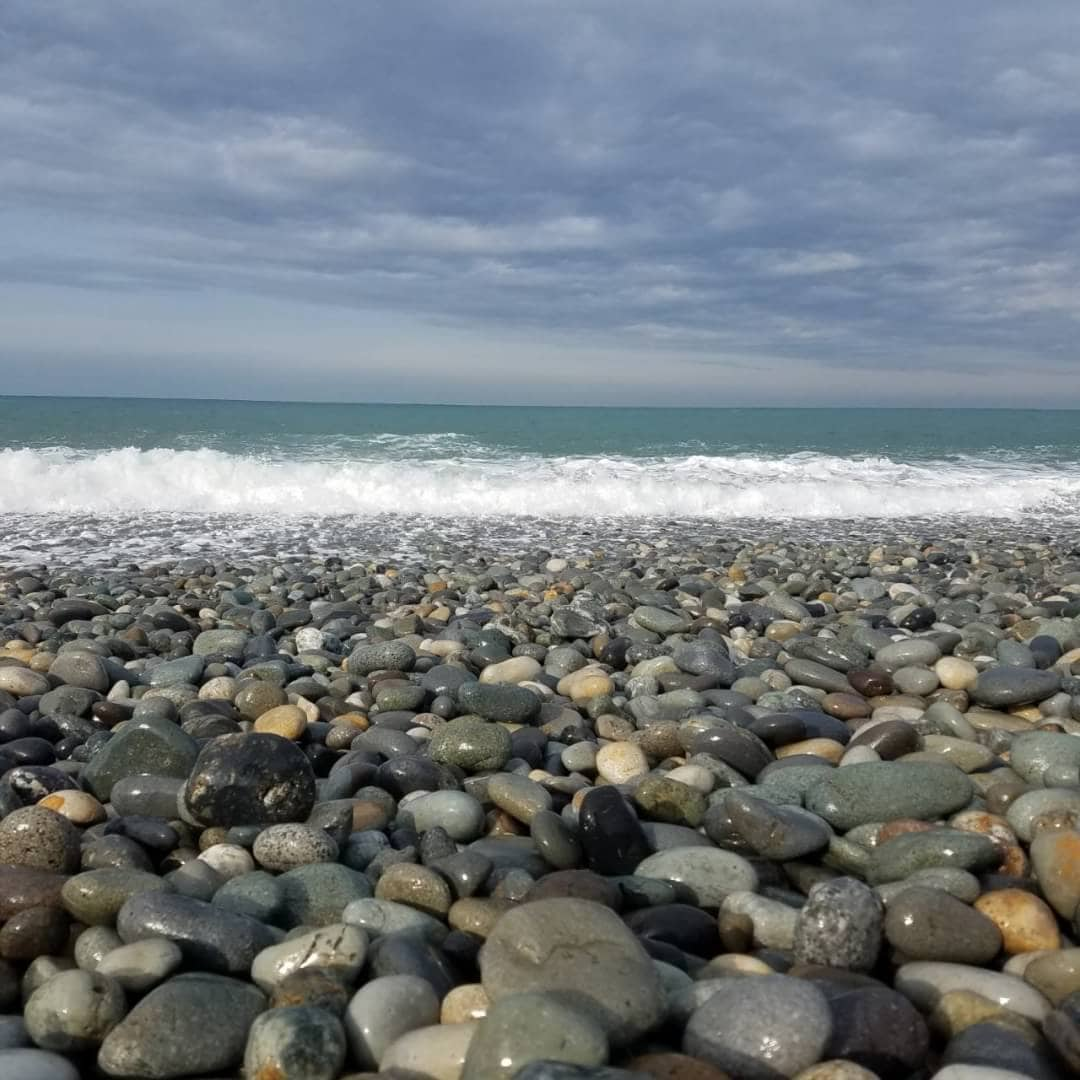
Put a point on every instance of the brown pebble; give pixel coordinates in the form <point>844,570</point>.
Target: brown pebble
<point>1027,923</point>
<point>477,915</point>
<point>34,932</point>
<point>417,886</point>
<point>23,887</point>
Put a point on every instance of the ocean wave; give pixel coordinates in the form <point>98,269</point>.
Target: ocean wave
<point>808,486</point>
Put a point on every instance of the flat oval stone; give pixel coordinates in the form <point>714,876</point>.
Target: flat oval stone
<point>140,746</point>
<point>142,964</point>
<point>519,796</point>
<point>1033,752</point>
<point>924,983</point>
<point>499,702</point>
<point>708,874</point>
<point>293,844</point>
<point>775,832</point>
<point>907,853</point>
<point>471,744</point>
<point>887,790</point>
<point>385,1009</point>
<point>192,1024</point>
<point>339,950</point>
<point>1005,685</point>
<point>928,924</point>
<point>910,651</point>
<point>301,1042</point>
<point>527,1027</point>
<point>459,813</point>
<point>208,936</point>
<point>580,947</point>
<point>96,896</point>
<point>761,1028</point>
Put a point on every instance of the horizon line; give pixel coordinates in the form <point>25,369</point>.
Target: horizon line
<point>533,405</point>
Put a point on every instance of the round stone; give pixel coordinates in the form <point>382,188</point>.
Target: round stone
<point>471,744</point>
<point>249,779</point>
<point>288,721</point>
<point>36,837</point>
<point>761,1028</point>
<point>621,762</point>
<point>708,874</point>
<point>415,886</point>
<point>287,846</point>
<point>74,1011</point>
<point>579,947</point>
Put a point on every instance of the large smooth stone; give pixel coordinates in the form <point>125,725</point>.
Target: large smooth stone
<point>383,1010</point>
<point>209,936</point>
<point>761,1028</point>
<point>499,702</point>
<point>928,924</point>
<point>1033,752</point>
<point>140,746</point>
<point>909,853</point>
<point>523,1028</point>
<point>924,983</point>
<point>888,790</point>
<point>581,949</point>
<point>95,896</point>
<point>193,1024</point>
<point>460,814</point>
<point>775,832</point>
<point>879,1029</point>
<point>249,779</point>
<point>708,874</point>
<point>1004,685</point>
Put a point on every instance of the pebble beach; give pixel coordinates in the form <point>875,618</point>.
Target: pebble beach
<point>746,808</point>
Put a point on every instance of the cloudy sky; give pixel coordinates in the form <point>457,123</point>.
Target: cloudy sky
<point>588,201</point>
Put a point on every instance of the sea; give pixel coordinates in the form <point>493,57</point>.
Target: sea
<point>119,481</point>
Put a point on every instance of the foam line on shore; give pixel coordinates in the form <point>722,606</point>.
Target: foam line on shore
<point>804,486</point>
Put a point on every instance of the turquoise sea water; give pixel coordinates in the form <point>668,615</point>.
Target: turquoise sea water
<point>110,478</point>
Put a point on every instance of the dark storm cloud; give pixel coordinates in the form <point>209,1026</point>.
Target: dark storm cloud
<point>861,185</point>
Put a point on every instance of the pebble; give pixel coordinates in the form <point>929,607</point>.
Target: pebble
<point>761,1028</point>
<point>527,1027</point>
<point>300,1042</point>
<point>928,924</point>
<point>287,846</point>
<point>142,964</point>
<point>385,1009</point>
<point>581,947</point>
<point>707,874</point>
<point>339,950</point>
<point>840,925</point>
<point>195,1023</point>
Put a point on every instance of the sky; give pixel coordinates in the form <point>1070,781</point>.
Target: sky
<point>771,202</point>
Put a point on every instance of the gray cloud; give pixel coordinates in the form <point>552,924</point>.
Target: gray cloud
<point>755,184</point>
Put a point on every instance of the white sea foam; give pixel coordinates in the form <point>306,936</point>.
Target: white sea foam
<point>804,486</point>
